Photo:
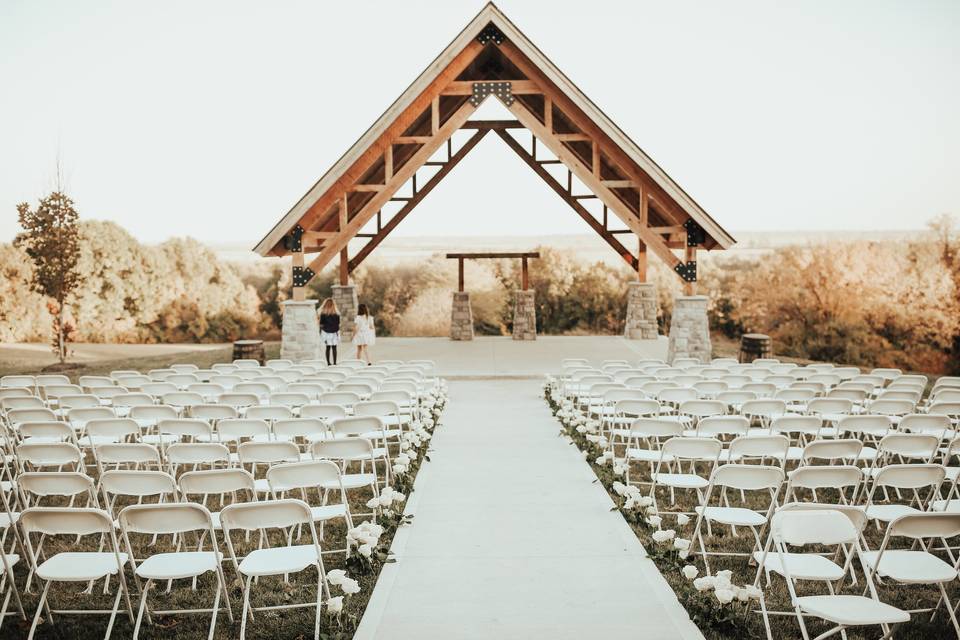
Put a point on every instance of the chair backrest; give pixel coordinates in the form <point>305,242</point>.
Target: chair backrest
<point>323,411</point>
<point>213,412</point>
<point>723,426</point>
<point>49,454</point>
<point>747,477</point>
<point>839,449</point>
<point>47,429</point>
<point>825,476</point>
<point>239,400</point>
<point>801,527</point>
<point>217,481</point>
<point>132,400</point>
<point>910,445</point>
<point>655,428</point>
<point>692,448</point>
<point>926,525</point>
<point>909,476</point>
<point>343,398</point>
<point>345,449</point>
<point>637,408</point>
<point>56,483</point>
<point>197,453</point>
<point>766,408</point>
<point>118,428</point>
<point>892,407</point>
<point>269,412</point>
<point>184,428</point>
<point>674,395</point>
<point>376,408</point>
<point>871,425</point>
<point>268,452</point>
<point>702,408</point>
<point>821,406</point>
<point>138,483</point>
<point>356,425</point>
<point>127,453</point>
<point>169,518</point>
<point>930,424</point>
<point>66,521</point>
<point>299,427</point>
<point>301,475</point>
<point>271,514</point>
<point>807,425</point>
<point>154,413</point>
<point>951,409</point>
<point>772,446</point>
<point>241,428</point>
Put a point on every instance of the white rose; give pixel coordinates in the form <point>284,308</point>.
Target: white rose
<point>726,574</point>
<point>634,490</point>
<point>581,429</point>
<point>704,584</point>
<point>645,501</point>
<point>651,510</point>
<point>690,572</point>
<point>399,469</point>
<point>683,554</point>
<point>655,521</point>
<point>398,497</point>
<point>373,503</point>
<point>385,500</point>
<point>753,591</point>
<point>365,550</point>
<point>681,544</point>
<point>403,459</point>
<point>619,488</point>
<point>683,519</point>
<point>350,586</point>
<point>336,576</point>
<point>742,594</point>
<point>725,596</point>
<point>335,605</point>
<point>600,461</point>
<point>619,469</point>
<point>663,535</point>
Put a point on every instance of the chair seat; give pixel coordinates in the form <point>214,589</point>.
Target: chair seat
<point>12,559</point>
<point>852,611</point>
<point>911,567</point>
<point>328,512</point>
<point>888,512</point>
<point>261,486</point>
<point>272,562</point>
<point>386,434</point>
<point>802,566</point>
<point>951,506</point>
<point>172,566</point>
<point>736,516</point>
<point>79,566</point>
<point>647,455</point>
<point>681,480</point>
<point>351,481</point>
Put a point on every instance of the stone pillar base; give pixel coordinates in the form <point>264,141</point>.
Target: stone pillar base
<point>689,330</point>
<point>345,296</point>
<point>461,317</point>
<point>300,339</point>
<point>524,315</point>
<point>641,322</point>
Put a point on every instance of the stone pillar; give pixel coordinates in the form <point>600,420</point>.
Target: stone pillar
<point>689,330</point>
<point>301,331</point>
<point>461,317</point>
<point>641,322</point>
<point>345,296</point>
<point>524,315</point>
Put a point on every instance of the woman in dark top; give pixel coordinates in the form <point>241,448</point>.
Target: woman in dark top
<point>330,329</point>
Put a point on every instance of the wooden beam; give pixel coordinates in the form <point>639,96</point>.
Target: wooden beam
<point>388,163</point>
<point>573,137</point>
<point>665,204</point>
<point>406,172</point>
<point>690,288</point>
<point>583,173</point>
<point>344,260</point>
<point>411,203</point>
<point>400,124</point>
<point>492,124</point>
<point>524,276</point>
<point>413,139</point>
<point>465,87</point>
<point>482,255</point>
<point>460,275</point>
<point>559,189</point>
<point>435,115</point>
<point>298,292</point>
<point>619,184</point>
<point>548,113</point>
<point>366,188</point>
<point>595,159</point>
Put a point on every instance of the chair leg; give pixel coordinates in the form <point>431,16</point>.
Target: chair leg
<point>949,608</point>
<point>216,610</point>
<point>113,613</point>
<point>246,608</point>
<point>36,616</point>
<point>316,623</point>
<point>143,607</point>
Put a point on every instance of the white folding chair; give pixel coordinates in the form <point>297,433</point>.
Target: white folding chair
<point>176,519</point>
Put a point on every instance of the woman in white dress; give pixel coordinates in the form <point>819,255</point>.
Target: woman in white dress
<point>364,334</point>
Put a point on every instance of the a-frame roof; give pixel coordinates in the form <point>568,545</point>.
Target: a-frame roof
<point>492,38</point>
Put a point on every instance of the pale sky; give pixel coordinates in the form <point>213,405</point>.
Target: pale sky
<point>211,119</point>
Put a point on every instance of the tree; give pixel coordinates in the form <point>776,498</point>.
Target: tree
<point>51,239</point>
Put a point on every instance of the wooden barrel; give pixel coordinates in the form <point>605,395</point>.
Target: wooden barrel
<point>249,350</point>
<point>755,345</point>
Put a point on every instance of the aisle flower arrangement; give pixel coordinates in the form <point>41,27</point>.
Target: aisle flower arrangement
<point>712,602</point>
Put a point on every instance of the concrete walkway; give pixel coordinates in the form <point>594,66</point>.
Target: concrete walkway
<point>513,539</point>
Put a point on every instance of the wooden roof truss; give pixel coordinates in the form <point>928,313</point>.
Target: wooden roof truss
<point>412,148</point>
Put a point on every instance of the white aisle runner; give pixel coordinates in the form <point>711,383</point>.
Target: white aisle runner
<point>512,539</point>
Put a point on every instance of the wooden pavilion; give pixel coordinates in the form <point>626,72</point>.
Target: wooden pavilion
<point>358,198</point>
<point>491,57</point>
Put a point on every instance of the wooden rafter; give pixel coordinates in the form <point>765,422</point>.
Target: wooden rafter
<point>421,193</point>
<point>561,191</point>
<point>400,176</point>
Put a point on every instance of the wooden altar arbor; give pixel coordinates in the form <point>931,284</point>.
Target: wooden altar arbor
<point>358,198</point>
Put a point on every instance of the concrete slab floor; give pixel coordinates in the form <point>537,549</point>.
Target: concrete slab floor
<point>512,538</point>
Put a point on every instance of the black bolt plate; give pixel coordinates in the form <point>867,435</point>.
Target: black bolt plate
<point>695,233</point>
<point>491,33</point>
<point>302,275</point>
<point>503,90</point>
<point>687,270</point>
<point>292,241</point>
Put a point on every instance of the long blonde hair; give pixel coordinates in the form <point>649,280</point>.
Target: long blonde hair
<point>329,308</point>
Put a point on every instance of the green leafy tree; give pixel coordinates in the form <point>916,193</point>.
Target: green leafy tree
<point>51,239</point>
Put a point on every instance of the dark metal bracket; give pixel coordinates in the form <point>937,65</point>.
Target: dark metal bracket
<point>687,270</point>
<point>293,240</point>
<point>695,233</point>
<point>302,275</point>
<point>503,90</point>
<point>491,33</point>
